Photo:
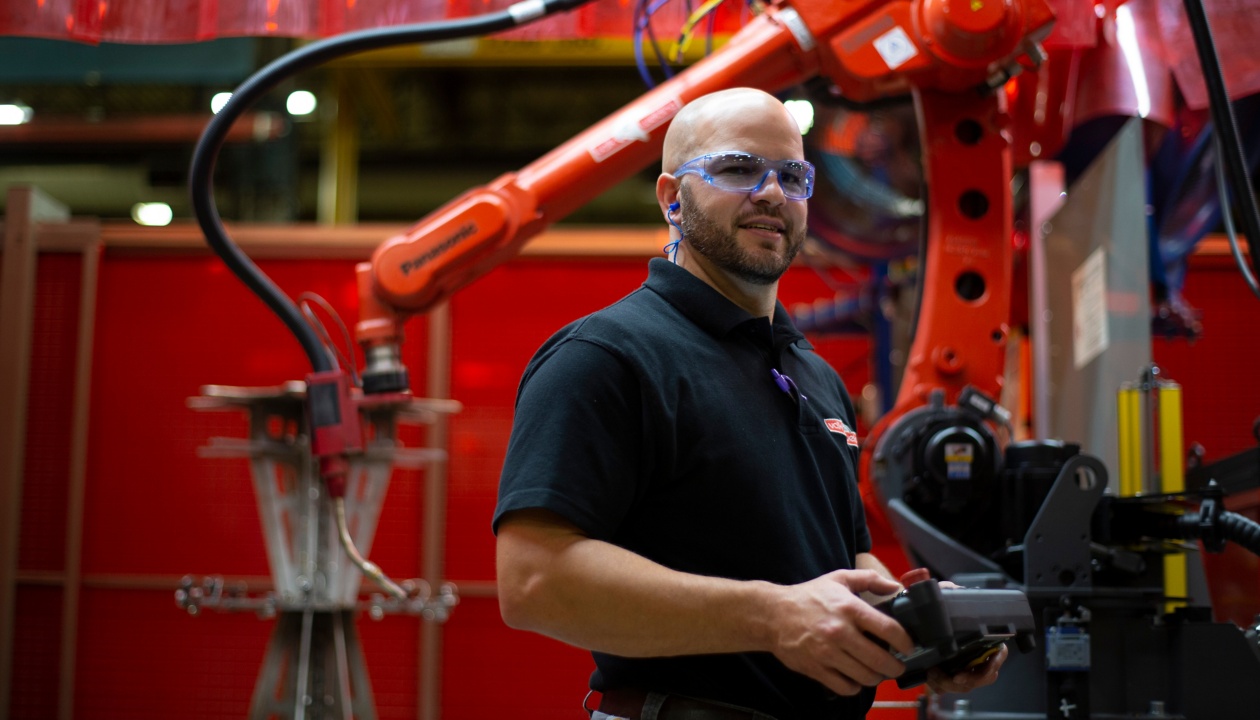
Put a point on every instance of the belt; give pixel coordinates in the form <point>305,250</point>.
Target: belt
<point>630,703</point>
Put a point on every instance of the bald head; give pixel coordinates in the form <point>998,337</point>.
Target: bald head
<point>727,120</point>
<point>740,242</point>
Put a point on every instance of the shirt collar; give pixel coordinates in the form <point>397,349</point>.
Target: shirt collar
<point>708,308</point>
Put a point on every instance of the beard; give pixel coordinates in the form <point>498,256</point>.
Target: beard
<point>721,246</point>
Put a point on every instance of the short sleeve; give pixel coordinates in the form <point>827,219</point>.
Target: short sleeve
<point>577,437</point>
<point>861,533</point>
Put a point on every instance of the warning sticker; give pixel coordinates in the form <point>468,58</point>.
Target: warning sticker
<point>895,47</point>
<point>630,130</point>
<point>959,458</point>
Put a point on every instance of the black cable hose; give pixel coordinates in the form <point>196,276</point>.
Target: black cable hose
<point>1226,126</point>
<point>1214,529</point>
<point>1242,530</point>
<point>201,170</point>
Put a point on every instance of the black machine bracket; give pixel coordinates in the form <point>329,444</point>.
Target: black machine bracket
<point>1057,544</point>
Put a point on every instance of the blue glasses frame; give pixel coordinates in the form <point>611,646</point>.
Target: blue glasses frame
<point>737,171</point>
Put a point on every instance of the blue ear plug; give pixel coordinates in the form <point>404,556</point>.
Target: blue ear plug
<point>673,208</point>
<point>672,249</point>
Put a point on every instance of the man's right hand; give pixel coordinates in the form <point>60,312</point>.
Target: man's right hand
<point>820,629</point>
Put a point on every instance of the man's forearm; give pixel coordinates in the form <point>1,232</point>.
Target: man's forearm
<point>556,581</point>
<point>598,596</point>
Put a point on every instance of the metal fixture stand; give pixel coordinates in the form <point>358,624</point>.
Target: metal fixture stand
<point>314,665</point>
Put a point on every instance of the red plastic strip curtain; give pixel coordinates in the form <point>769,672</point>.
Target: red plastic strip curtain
<point>177,21</point>
<point>1234,22</point>
<point>172,21</point>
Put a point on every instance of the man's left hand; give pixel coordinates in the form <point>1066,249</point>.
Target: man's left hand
<point>974,677</point>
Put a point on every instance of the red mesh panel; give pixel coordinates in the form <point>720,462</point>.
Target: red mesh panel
<point>36,653</point>
<point>1220,397</point>
<point>166,327</point>
<point>494,672</point>
<point>391,647</point>
<point>50,409</point>
<point>141,657</point>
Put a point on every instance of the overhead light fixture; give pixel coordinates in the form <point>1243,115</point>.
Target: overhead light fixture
<point>301,102</point>
<point>803,111</point>
<point>15,114</point>
<point>157,214</point>
<point>218,101</point>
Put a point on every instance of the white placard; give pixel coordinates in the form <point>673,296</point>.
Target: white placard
<point>1089,309</point>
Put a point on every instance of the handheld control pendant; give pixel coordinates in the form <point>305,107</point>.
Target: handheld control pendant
<point>954,628</point>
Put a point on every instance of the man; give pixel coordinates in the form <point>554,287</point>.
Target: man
<point>680,491</point>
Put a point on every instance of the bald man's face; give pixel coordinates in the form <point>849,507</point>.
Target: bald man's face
<point>756,246</point>
<point>751,235</point>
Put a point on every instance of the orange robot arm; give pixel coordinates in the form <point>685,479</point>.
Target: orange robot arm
<point>476,231</point>
<point>951,54</point>
<point>867,49</point>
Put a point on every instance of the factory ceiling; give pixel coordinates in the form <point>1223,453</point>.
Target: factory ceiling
<point>116,125</point>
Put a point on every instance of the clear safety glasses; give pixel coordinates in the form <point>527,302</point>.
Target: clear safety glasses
<point>742,172</point>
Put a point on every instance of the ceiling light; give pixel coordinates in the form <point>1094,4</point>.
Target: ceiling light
<point>218,101</point>
<point>154,213</point>
<point>803,111</point>
<point>14,114</point>
<point>300,102</point>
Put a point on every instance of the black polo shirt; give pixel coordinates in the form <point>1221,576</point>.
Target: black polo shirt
<point>657,424</point>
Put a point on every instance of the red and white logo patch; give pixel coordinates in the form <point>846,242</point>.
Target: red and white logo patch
<point>838,427</point>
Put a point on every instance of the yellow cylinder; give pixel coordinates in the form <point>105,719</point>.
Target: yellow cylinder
<point>1172,469</point>
<point>1172,479</point>
<point>1129,414</point>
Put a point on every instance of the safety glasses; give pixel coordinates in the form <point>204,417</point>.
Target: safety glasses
<point>735,171</point>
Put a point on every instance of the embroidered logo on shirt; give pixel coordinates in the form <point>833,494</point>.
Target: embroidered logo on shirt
<point>838,427</point>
